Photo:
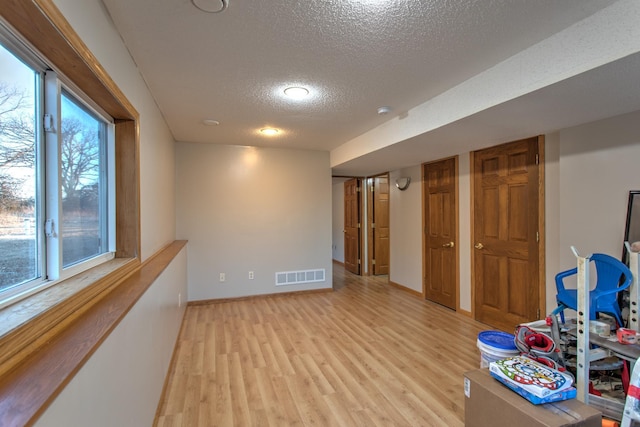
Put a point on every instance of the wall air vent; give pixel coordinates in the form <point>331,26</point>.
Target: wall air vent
<point>297,277</point>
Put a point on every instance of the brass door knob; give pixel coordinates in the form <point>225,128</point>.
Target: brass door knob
<point>448,245</point>
<point>478,246</point>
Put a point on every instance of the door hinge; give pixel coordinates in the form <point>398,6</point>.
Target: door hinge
<point>372,188</point>
<point>537,236</point>
<point>538,314</point>
<point>358,225</point>
<point>373,262</point>
<point>358,189</point>
<point>537,159</point>
<point>358,261</point>
<point>373,225</point>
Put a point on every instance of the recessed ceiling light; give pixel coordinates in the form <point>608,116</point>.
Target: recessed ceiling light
<point>211,6</point>
<point>210,122</point>
<point>296,92</point>
<point>269,131</point>
<point>384,110</point>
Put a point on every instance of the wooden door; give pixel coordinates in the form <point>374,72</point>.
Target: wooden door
<point>507,210</point>
<point>378,208</point>
<point>352,225</point>
<point>440,232</point>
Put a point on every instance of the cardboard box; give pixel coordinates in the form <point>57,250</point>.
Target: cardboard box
<point>489,403</point>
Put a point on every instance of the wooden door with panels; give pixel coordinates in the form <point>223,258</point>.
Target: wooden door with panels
<point>352,225</point>
<point>440,219</point>
<point>378,224</point>
<point>508,213</point>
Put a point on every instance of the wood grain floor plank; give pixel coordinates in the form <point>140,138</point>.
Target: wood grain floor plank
<point>340,410</point>
<point>239,393</point>
<point>367,354</point>
<point>308,400</point>
<point>286,402</point>
<point>222,405</point>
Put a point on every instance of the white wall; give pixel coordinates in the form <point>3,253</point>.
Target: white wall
<point>120,385</point>
<point>337,221</point>
<point>252,209</point>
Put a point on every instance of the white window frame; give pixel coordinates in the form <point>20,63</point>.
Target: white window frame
<point>48,190</point>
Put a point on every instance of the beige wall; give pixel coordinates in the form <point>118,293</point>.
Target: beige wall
<point>405,218</point>
<point>464,233</point>
<point>589,170</point>
<point>337,221</point>
<point>120,384</point>
<point>252,209</point>
<point>599,164</point>
<point>552,215</point>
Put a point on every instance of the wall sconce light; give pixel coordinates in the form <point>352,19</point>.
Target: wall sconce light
<point>402,183</point>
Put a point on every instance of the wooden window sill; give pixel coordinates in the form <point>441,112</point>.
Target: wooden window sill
<point>40,356</point>
<point>25,325</point>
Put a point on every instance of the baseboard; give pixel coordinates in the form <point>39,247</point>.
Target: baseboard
<point>404,288</point>
<point>260,296</point>
<point>170,369</point>
<point>465,313</point>
<point>335,261</point>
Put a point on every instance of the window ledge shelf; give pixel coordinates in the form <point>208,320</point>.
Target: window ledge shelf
<point>42,354</point>
<point>29,323</point>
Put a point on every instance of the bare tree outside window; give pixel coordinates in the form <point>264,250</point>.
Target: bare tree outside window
<point>80,181</point>
<point>54,186</point>
<point>81,148</point>
<point>18,241</point>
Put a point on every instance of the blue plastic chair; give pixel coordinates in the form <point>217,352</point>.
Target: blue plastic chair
<point>612,277</point>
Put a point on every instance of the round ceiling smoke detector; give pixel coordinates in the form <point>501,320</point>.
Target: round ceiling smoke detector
<point>211,6</point>
<point>384,110</point>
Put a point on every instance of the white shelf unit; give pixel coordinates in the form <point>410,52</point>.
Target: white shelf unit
<point>585,355</point>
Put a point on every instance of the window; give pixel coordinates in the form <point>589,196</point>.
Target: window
<point>19,242</point>
<point>57,176</point>
<point>82,177</point>
<point>32,325</point>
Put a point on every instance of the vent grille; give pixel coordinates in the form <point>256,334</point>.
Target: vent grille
<point>296,277</point>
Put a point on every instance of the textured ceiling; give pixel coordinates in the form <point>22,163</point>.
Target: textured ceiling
<point>354,55</point>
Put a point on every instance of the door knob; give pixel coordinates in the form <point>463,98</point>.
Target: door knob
<point>478,246</point>
<point>448,245</point>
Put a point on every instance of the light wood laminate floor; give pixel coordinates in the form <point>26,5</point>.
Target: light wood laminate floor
<point>367,354</point>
